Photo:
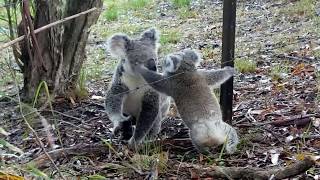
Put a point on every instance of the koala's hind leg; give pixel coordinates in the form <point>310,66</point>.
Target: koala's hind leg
<point>165,103</point>
<point>210,134</point>
<point>232,138</point>
<point>155,129</point>
<point>148,114</point>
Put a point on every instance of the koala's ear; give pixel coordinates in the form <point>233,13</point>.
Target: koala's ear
<point>118,45</point>
<point>172,63</point>
<point>150,35</point>
<point>190,54</point>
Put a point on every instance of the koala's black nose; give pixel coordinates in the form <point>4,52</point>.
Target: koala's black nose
<point>151,65</point>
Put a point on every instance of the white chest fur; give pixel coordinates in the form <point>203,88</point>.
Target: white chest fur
<point>132,81</point>
<point>133,100</point>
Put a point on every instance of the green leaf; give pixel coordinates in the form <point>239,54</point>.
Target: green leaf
<point>3,132</point>
<point>96,177</point>
<point>10,146</point>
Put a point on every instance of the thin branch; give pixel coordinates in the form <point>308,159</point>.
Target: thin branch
<point>252,172</point>
<point>10,43</point>
<point>78,150</point>
<point>29,23</point>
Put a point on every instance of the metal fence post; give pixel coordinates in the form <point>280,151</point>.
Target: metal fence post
<point>228,40</point>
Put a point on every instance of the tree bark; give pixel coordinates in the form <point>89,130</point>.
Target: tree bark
<point>62,47</point>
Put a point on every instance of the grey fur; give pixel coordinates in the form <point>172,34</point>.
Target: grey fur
<point>217,77</point>
<point>198,107</point>
<point>127,93</point>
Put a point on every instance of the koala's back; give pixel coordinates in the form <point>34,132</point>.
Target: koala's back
<point>194,99</point>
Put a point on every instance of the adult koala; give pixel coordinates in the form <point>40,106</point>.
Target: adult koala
<point>128,97</point>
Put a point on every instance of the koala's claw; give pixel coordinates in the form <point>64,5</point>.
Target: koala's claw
<point>134,143</point>
<point>131,143</point>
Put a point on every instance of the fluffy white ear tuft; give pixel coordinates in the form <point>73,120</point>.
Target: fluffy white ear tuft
<point>118,45</point>
<point>151,35</point>
<point>190,54</point>
<point>172,63</point>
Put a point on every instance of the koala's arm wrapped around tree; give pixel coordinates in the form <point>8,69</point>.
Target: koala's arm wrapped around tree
<point>156,80</point>
<point>217,77</point>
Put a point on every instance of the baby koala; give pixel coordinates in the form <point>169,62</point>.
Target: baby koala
<point>196,104</point>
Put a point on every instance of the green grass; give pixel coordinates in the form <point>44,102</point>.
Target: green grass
<point>277,71</point>
<point>124,27</point>
<point>121,7</point>
<point>211,54</point>
<point>81,89</point>
<point>186,13</point>
<point>301,8</point>
<point>181,3</point>
<point>172,36</point>
<point>149,156</point>
<point>138,4</point>
<point>111,13</point>
<point>245,65</point>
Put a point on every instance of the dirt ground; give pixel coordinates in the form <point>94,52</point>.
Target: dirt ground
<point>276,102</point>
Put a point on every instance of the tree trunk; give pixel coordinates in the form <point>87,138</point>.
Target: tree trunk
<point>62,47</point>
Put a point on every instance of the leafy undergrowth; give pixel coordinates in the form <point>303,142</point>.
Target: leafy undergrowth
<point>276,101</point>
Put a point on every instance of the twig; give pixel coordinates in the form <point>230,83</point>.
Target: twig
<point>298,121</point>
<point>69,123</point>
<point>63,114</point>
<point>78,150</point>
<point>254,173</point>
<point>27,16</point>
<point>10,43</point>
<point>273,134</point>
<point>304,58</point>
<point>249,116</point>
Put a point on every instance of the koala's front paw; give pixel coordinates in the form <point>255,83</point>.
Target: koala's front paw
<point>230,70</point>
